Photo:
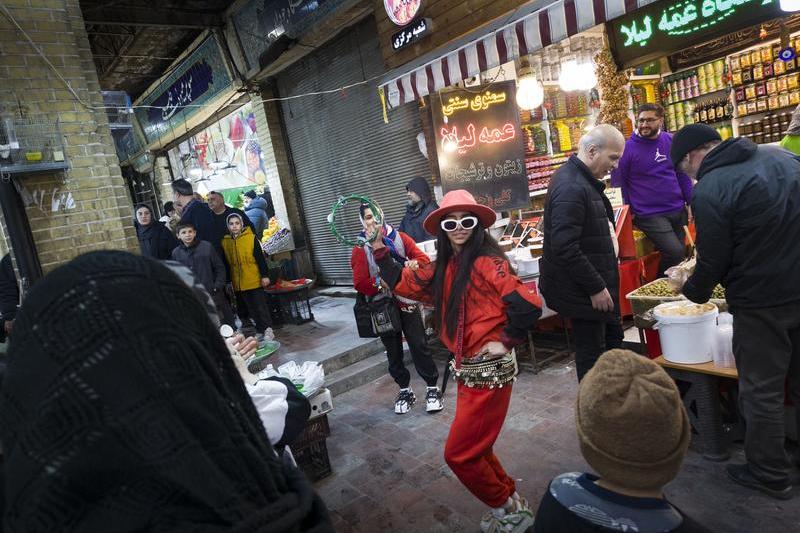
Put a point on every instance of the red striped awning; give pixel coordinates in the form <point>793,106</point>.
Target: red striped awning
<point>527,34</point>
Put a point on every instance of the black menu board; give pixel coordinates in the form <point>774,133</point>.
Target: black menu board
<point>480,145</point>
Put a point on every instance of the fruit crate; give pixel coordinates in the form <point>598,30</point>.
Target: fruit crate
<point>310,449</point>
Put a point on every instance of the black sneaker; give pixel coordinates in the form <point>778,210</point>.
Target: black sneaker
<point>404,402</point>
<point>742,475</point>
<point>433,400</point>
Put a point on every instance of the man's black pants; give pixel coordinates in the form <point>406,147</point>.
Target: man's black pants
<point>592,338</point>
<point>414,332</point>
<point>766,345</point>
<point>668,236</point>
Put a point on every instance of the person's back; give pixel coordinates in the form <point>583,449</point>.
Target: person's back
<point>257,213</point>
<point>747,208</point>
<point>634,432</point>
<point>199,215</point>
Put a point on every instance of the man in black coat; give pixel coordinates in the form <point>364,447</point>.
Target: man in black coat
<point>192,210</point>
<point>420,205</point>
<point>9,295</point>
<point>746,206</point>
<point>579,272</point>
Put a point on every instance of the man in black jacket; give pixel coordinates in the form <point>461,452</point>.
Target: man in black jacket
<point>746,206</point>
<point>192,210</point>
<point>420,205</point>
<point>9,295</point>
<point>579,274</point>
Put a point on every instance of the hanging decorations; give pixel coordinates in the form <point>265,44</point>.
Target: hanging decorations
<point>614,99</point>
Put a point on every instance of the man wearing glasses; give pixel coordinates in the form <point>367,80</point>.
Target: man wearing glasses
<point>655,192</point>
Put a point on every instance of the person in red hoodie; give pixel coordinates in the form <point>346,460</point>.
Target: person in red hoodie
<point>482,310</point>
<point>367,281</point>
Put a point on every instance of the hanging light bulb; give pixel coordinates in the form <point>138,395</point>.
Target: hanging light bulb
<point>569,78</point>
<point>530,93</point>
<point>790,5</point>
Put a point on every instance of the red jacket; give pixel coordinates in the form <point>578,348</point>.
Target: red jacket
<point>363,282</point>
<point>498,307</point>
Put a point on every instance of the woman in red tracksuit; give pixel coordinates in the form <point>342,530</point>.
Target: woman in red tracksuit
<point>479,298</point>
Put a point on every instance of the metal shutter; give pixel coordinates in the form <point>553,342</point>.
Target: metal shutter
<point>340,144</point>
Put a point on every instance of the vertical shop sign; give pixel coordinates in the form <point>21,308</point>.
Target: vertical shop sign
<point>480,146</point>
<point>197,79</point>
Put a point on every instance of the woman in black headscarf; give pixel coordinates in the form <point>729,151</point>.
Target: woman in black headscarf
<point>155,239</point>
<point>122,411</point>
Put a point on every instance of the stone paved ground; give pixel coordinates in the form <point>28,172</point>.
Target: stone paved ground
<point>389,474</point>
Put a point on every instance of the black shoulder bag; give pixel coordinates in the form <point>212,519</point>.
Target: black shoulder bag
<point>376,316</point>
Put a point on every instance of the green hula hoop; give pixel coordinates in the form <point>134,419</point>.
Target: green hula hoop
<point>359,241</point>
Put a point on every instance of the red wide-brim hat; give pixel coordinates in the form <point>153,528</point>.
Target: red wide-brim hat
<point>459,200</point>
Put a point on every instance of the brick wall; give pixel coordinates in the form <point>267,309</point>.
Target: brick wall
<point>102,217</point>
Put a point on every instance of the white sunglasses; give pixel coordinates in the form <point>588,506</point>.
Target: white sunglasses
<point>451,224</point>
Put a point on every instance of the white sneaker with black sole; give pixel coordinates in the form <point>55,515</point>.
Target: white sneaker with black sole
<point>404,402</point>
<point>433,400</point>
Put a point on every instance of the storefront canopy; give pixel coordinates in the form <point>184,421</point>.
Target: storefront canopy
<point>524,35</point>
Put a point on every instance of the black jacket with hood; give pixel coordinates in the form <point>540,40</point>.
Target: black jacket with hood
<point>746,206</point>
<point>416,214</point>
<point>155,239</point>
<point>204,262</point>
<point>579,258</point>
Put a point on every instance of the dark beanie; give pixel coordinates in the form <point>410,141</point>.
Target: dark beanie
<point>182,187</point>
<point>251,194</point>
<point>632,426</point>
<point>688,138</point>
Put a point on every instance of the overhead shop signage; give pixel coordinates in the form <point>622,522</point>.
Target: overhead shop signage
<point>411,33</point>
<point>402,12</point>
<point>480,146</point>
<point>661,28</point>
<point>260,23</point>
<point>197,79</point>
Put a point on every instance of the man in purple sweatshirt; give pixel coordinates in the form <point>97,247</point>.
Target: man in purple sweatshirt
<point>658,195</point>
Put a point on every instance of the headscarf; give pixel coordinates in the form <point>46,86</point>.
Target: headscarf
<point>241,221</point>
<point>390,235</point>
<point>123,411</point>
<point>794,125</point>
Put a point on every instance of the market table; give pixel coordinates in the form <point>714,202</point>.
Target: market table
<point>704,394</point>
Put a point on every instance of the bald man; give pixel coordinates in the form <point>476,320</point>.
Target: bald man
<point>579,275</point>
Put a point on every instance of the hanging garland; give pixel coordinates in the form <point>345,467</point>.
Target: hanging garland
<point>343,200</point>
<point>613,98</point>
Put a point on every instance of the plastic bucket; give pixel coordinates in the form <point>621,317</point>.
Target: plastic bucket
<point>686,338</point>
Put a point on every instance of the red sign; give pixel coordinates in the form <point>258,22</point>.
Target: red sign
<point>402,12</point>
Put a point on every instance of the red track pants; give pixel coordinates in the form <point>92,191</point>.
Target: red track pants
<point>480,414</point>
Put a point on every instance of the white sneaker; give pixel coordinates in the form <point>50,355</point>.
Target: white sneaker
<point>404,402</point>
<point>515,520</point>
<point>433,400</point>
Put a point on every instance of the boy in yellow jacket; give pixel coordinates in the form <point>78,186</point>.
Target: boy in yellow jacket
<point>248,271</point>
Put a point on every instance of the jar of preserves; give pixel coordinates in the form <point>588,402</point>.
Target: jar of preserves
<point>761,104</point>
<point>751,107</point>
<point>766,54</point>
<point>747,75</point>
<point>757,127</point>
<point>755,57</point>
<point>783,99</point>
<point>739,94</point>
<point>794,97</point>
<point>758,72</point>
<point>736,77</point>
<point>772,86</point>
<point>761,89</point>
<point>744,60</point>
<point>750,92</point>
<point>735,65</point>
<point>783,84</point>
<point>741,109</point>
<point>791,65</point>
<point>791,80</point>
<point>772,102</point>
<point>769,71</point>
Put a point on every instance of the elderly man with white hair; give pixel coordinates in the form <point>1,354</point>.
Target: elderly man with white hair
<point>579,274</point>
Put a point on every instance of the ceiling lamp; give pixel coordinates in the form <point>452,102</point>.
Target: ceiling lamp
<point>790,5</point>
<point>530,93</point>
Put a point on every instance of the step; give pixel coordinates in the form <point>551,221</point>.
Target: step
<point>352,356</point>
<point>359,373</point>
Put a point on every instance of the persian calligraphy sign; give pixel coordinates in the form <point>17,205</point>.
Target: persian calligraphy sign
<point>665,27</point>
<point>480,146</point>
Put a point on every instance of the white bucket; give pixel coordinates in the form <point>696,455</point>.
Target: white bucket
<point>686,338</point>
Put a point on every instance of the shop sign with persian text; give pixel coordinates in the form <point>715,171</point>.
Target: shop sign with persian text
<point>661,28</point>
<point>196,80</point>
<point>480,146</point>
<point>411,33</point>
